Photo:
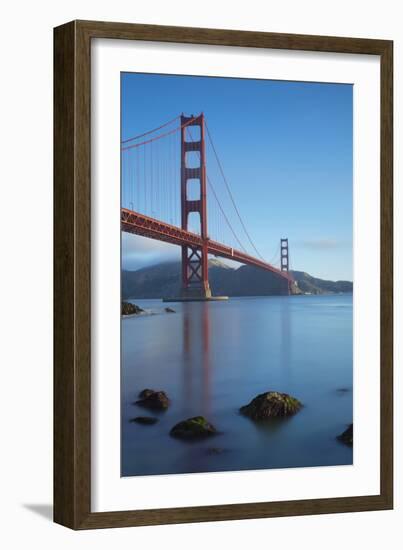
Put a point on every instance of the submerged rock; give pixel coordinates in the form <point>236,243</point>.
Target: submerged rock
<point>193,428</point>
<point>146,420</point>
<point>130,309</point>
<point>170,310</point>
<point>347,436</point>
<point>154,400</point>
<point>271,404</point>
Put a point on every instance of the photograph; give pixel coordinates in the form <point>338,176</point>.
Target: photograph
<point>236,274</point>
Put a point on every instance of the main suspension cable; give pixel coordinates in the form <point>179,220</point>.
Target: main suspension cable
<point>151,131</point>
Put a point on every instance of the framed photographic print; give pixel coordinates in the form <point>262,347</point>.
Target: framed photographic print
<point>223,275</point>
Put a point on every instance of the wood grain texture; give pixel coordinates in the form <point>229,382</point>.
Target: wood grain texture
<point>72,269</point>
<point>220,37</point>
<point>72,297</point>
<point>64,381</point>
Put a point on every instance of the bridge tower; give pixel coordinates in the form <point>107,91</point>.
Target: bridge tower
<point>285,259</point>
<point>195,282</point>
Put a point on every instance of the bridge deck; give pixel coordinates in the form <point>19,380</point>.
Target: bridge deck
<point>139,224</point>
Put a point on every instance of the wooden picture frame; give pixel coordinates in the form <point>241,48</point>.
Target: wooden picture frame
<point>72,270</point>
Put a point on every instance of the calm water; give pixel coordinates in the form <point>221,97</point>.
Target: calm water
<point>212,358</point>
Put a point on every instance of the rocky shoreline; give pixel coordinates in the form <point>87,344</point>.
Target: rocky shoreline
<point>131,309</point>
<point>128,309</point>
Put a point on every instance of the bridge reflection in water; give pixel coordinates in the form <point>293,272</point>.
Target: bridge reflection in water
<point>196,342</point>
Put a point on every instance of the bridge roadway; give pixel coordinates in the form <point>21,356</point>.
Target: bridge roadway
<point>139,224</point>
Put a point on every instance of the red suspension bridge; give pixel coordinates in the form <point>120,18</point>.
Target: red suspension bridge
<point>164,197</point>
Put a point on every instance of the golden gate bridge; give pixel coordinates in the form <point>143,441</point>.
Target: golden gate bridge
<point>164,197</point>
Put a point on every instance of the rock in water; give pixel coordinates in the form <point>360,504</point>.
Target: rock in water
<point>170,310</point>
<point>193,428</point>
<point>271,404</point>
<point>130,309</point>
<point>146,393</point>
<point>146,420</point>
<point>347,436</point>
<point>155,400</point>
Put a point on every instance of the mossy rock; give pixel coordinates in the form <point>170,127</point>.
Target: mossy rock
<point>131,309</point>
<point>347,436</point>
<point>271,404</point>
<point>155,400</point>
<point>193,428</point>
<point>145,393</point>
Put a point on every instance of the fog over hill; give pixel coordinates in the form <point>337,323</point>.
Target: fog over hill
<point>164,280</point>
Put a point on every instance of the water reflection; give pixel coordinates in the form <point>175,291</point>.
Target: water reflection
<point>212,358</point>
<point>285,339</point>
<point>196,354</point>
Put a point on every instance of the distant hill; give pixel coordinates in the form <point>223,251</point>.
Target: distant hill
<point>163,280</point>
<point>312,285</point>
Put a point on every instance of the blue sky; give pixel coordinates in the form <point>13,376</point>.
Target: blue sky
<point>286,149</point>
